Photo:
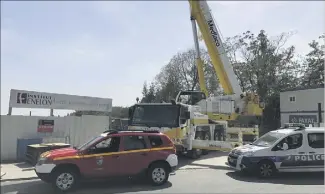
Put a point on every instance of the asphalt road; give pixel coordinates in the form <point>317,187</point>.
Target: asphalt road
<point>196,178</point>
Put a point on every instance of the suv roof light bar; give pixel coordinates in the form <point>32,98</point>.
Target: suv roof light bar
<point>144,131</point>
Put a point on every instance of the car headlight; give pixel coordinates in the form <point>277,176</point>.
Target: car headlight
<point>247,153</point>
<point>43,160</point>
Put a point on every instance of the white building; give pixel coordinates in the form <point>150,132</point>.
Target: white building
<point>301,105</point>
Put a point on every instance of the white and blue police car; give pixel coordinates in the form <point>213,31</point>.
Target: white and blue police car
<point>289,149</point>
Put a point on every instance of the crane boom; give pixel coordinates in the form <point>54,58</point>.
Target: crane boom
<point>201,13</point>
<point>235,104</point>
<point>198,59</point>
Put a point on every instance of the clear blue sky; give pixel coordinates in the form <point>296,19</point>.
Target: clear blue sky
<point>108,49</point>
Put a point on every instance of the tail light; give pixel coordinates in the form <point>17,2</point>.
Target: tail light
<point>174,148</point>
<point>171,144</point>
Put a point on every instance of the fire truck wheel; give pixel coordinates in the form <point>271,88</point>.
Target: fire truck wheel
<point>206,136</point>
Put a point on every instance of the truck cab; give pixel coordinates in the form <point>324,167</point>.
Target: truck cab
<point>192,132</point>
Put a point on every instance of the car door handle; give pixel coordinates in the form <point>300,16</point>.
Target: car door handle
<point>312,152</point>
<point>116,156</point>
<point>301,152</point>
<point>144,154</point>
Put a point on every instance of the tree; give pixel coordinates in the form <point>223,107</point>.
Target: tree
<point>96,113</point>
<point>149,94</point>
<point>264,65</point>
<point>144,91</point>
<point>314,74</point>
<point>120,112</point>
<point>117,112</point>
<point>181,74</point>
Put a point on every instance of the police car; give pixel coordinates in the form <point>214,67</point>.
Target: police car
<point>293,148</point>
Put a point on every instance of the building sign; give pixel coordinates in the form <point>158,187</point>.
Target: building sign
<point>32,99</point>
<point>45,125</point>
<point>305,119</point>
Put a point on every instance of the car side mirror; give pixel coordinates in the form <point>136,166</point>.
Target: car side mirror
<point>285,146</point>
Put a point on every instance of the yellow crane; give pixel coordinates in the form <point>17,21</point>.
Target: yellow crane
<point>243,111</point>
<point>194,120</point>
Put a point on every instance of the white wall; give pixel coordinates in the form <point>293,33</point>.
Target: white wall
<point>69,129</point>
<point>306,100</point>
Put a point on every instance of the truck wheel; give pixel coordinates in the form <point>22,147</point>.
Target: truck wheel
<point>65,180</point>
<point>158,174</point>
<point>266,169</point>
<point>206,136</point>
<point>195,153</point>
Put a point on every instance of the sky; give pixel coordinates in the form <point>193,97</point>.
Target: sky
<point>110,48</point>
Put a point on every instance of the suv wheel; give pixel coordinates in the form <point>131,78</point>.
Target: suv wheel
<point>158,174</point>
<point>65,180</point>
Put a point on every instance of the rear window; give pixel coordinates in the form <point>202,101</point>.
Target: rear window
<point>316,140</point>
<point>134,142</point>
<point>155,141</point>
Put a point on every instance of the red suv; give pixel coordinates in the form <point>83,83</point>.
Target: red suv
<point>112,154</point>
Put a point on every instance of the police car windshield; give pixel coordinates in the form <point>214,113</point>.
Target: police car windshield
<point>268,139</point>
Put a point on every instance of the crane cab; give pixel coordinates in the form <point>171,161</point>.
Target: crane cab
<point>190,97</point>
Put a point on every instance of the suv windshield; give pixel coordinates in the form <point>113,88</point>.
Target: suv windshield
<point>156,115</point>
<point>89,142</point>
<point>268,139</point>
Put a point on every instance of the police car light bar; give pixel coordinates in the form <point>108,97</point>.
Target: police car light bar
<point>296,126</point>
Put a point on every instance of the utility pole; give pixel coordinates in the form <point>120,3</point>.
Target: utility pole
<point>320,119</point>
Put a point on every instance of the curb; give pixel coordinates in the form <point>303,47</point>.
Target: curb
<point>19,179</point>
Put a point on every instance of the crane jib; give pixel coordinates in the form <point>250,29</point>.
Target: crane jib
<point>213,32</point>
